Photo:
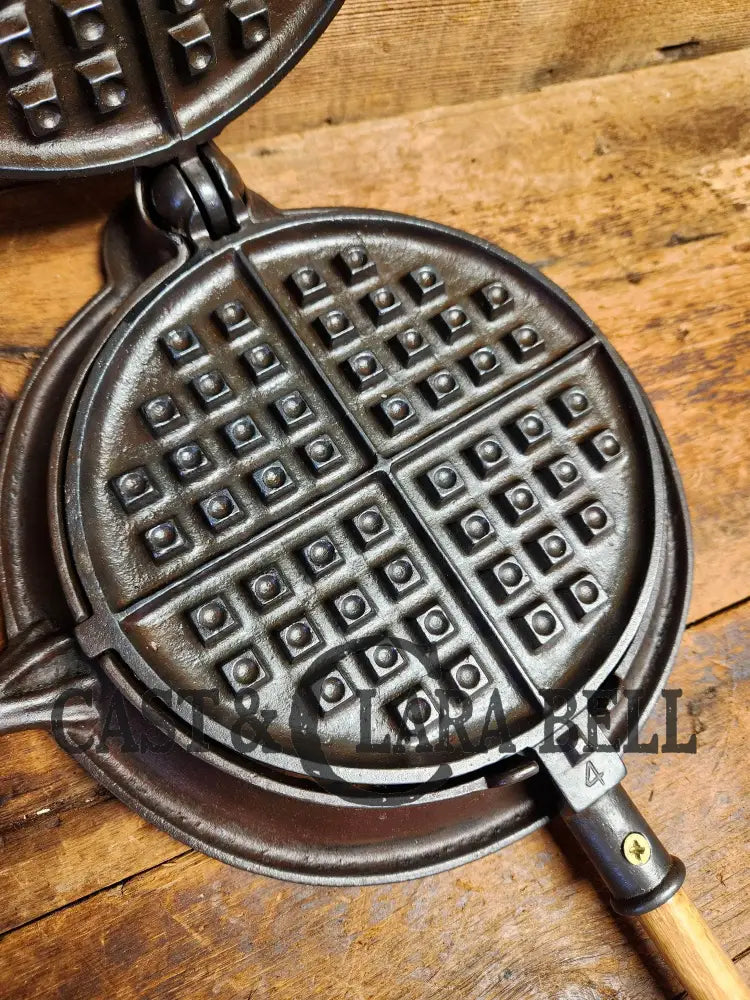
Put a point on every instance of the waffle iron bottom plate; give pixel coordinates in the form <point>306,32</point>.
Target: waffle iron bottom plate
<point>358,310</point>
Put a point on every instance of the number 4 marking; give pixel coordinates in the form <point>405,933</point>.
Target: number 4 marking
<point>593,777</point>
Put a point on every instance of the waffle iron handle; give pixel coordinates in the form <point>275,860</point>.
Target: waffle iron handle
<point>42,682</point>
<point>646,882</point>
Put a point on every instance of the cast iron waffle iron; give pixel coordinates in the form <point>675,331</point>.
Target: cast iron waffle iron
<point>340,504</point>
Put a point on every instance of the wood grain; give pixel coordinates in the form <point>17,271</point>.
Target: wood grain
<point>629,191</point>
<point>385,58</point>
<point>691,949</point>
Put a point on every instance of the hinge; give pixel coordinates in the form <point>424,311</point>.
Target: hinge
<point>200,197</point>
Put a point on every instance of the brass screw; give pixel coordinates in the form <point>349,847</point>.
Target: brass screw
<point>636,849</point>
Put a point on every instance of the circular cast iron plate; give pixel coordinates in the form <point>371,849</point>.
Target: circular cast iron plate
<point>239,816</point>
<point>343,429</point>
<point>104,84</point>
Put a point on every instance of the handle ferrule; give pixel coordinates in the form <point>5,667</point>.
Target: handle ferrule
<point>631,860</point>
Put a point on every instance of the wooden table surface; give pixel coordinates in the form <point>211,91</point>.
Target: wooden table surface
<point>631,191</point>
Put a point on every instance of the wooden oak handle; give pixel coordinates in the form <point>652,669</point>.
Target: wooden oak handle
<point>686,943</point>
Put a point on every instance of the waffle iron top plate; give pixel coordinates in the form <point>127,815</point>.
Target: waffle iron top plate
<point>90,85</point>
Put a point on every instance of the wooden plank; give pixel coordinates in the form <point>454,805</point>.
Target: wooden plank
<point>74,851</point>
<point>51,809</point>
<point>386,58</point>
<point>524,922</point>
<point>50,257</point>
<point>14,370</point>
<point>38,778</point>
